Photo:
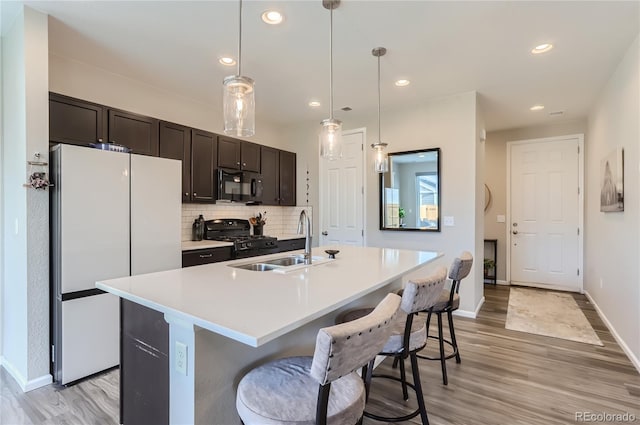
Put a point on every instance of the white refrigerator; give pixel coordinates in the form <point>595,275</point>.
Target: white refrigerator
<point>112,215</point>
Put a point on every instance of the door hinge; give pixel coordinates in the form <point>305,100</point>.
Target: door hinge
<point>362,190</point>
<point>578,190</point>
<point>578,150</point>
<point>578,231</point>
<point>53,354</point>
<point>362,146</point>
<point>578,272</point>
<point>362,232</point>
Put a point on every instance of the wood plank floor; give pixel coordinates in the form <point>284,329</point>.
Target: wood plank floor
<point>506,377</point>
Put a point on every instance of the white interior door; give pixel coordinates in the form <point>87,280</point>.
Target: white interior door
<point>342,194</point>
<point>545,209</point>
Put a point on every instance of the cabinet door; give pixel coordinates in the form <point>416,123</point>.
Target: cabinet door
<point>228,153</point>
<point>203,160</point>
<point>175,143</point>
<point>137,132</point>
<point>287,178</point>
<point>270,170</point>
<point>75,121</point>
<point>250,156</point>
<point>205,256</point>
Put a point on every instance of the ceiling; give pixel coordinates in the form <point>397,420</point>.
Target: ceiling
<point>444,48</point>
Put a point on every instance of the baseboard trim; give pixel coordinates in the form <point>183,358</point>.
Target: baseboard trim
<point>634,360</point>
<point>470,314</point>
<point>502,282</point>
<point>25,385</point>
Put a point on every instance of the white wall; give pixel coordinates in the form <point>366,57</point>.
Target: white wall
<point>449,123</point>
<point>26,230</point>
<point>612,240</point>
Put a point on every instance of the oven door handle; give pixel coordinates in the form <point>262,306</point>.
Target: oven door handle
<point>254,186</point>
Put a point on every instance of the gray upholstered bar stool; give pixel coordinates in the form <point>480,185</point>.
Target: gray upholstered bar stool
<point>323,389</point>
<point>407,337</point>
<point>448,302</point>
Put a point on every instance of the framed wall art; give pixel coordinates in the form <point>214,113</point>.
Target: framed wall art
<point>612,182</point>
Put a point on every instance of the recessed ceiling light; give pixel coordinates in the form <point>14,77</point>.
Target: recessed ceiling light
<point>542,48</point>
<point>402,83</point>
<point>227,61</point>
<point>314,103</point>
<point>537,107</point>
<point>272,17</point>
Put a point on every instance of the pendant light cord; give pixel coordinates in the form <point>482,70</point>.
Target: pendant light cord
<point>379,133</point>
<point>331,63</point>
<point>240,41</point>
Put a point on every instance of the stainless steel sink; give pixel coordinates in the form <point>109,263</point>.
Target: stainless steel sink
<point>286,261</point>
<point>257,267</point>
<point>282,264</point>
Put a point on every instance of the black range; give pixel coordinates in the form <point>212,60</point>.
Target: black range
<point>238,231</point>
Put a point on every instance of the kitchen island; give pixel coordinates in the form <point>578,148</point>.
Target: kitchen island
<point>223,320</point>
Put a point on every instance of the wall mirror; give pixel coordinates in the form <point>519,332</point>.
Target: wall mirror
<point>410,191</point>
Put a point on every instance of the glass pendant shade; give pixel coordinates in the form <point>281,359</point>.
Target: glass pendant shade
<point>331,139</point>
<point>239,106</point>
<point>381,160</point>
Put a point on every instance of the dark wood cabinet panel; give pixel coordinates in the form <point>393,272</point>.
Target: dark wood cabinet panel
<point>175,143</point>
<point>290,245</point>
<point>144,365</point>
<point>203,165</point>
<point>137,132</point>
<point>75,121</point>
<point>228,153</point>
<point>270,170</point>
<point>238,155</point>
<point>250,156</point>
<point>287,182</point>
<point>205,256</point>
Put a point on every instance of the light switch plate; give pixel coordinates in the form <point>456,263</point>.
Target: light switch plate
<point>181,358</point>
<point>501,219</point>
<point>449,221</point>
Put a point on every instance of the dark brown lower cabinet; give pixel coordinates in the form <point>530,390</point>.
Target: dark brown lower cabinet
<point>144,365</point>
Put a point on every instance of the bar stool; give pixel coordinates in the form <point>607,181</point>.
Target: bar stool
<point>407,338</point>
<point>448,302</point>
<point>323,389</point>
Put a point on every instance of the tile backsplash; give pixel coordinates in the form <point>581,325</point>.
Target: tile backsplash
<point>280,220</point>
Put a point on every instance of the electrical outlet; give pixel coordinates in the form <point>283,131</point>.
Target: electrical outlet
<point>181,358</point>
<point>449,221</point>
<point>601,283</point>
<point>501,218</point>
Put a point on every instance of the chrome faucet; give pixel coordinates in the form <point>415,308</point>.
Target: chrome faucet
<point>304,218</point>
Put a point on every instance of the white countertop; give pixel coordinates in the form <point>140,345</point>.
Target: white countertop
<point>256,307</point>
<point>191,245</point>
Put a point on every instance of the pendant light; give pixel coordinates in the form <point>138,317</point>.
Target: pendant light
<point>381,160</point>
<point>239,98</point>
<point>331,132</point>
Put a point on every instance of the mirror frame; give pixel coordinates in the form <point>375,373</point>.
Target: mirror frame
<point>381,193</point>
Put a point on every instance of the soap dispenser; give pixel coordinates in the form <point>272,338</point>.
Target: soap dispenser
<point>195,231</point>
<point>200,227</point>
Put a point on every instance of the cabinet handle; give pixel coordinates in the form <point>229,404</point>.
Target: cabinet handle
<point>244,164</point>
<point>100,140</point>
<point>186,194</point>
<point>206,255</point>
<point>113,141</point>
<point>195,194</point>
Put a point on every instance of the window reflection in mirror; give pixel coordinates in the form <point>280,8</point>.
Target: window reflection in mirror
<point>410,191</point>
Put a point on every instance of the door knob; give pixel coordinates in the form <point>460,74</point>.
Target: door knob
<point>515,232</point>
<point>325,233</point>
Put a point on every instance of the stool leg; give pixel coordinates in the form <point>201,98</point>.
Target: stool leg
<point>395,363</point>
<point>367,378</point>
<point>418,384</point>
<point>443,361</point>
<point>428,322</point>
<point>403,378</point>
<point>453,336</point>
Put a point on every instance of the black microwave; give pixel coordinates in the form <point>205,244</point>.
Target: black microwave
<point>239,186</point>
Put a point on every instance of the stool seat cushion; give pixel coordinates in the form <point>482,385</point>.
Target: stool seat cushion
<point>417,339</point>
<point>283,392</point>
<point>443,301</point>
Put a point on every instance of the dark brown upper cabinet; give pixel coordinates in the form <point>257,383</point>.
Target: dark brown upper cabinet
<point>76,121</point>
<point>238,155</point>
<point>175,143</point>
<point>137,132</point>
<point>204,146</point>
<point>278,176</point>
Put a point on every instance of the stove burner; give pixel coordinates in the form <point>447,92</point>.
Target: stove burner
<point>237,232</point>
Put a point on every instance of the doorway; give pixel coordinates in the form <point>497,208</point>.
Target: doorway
<point>545,208</point>
<point>342,193</point>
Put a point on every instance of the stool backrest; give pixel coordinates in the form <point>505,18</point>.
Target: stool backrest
<point>344,348</point>
<point>460,269</point>
<point>422,294</point>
